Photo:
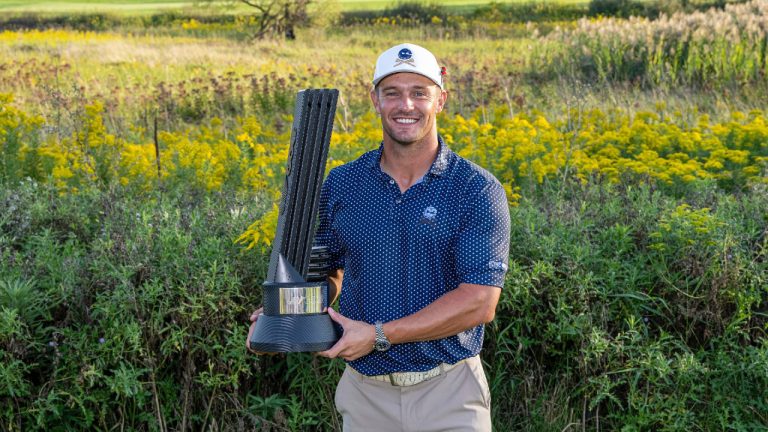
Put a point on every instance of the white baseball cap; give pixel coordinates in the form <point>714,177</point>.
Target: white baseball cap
<point>408,58</point>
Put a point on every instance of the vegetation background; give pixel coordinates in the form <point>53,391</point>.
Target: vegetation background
<point>143,151</point>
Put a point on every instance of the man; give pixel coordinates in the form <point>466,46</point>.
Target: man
<point>419,243</point>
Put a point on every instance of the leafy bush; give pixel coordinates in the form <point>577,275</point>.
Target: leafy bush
<point>403,12</point>
<point>624,306</point>
<point>596,316</point>
<point>527,12</point>
<point>416,12</point>
<point>615,8</point>
<point>123,311</point>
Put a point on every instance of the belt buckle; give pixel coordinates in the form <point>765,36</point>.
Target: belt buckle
<point>392,379</point>
<point>418,377</point>
<point>400,379</point>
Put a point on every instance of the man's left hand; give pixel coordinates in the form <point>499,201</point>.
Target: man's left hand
<point>357,340</point>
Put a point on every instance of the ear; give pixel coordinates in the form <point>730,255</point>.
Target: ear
<point>442,99</point>
<point>375,100</point>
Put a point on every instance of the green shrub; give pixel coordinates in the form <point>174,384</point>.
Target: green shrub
<point>615,8</point>
<point>623,303</point>
<point>123,309</point>
<point>416,12</point>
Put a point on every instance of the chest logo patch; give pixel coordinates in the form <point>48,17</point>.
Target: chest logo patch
<point>429,215</point>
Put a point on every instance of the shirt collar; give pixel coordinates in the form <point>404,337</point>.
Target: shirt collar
<point>439,165</point>
<point>442,160</point>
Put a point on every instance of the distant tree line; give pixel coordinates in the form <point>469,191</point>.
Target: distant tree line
<point>282,18</point>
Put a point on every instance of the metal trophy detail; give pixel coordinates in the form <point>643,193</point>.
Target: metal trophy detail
<point>295,293</point>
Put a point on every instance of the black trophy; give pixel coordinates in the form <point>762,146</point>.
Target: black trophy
<point>295,293</point>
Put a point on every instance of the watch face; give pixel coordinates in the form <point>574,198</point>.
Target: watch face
<point>382,345</point>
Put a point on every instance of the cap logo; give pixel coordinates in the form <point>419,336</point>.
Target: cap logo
<point>405,56</point>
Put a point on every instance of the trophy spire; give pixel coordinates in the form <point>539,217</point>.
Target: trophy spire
<point>285,273</point>
<point>294,319</point>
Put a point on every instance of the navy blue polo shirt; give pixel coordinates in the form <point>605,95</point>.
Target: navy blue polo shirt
<point>402,251</point>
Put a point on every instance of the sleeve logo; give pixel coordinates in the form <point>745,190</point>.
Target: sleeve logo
<point>497,265</point>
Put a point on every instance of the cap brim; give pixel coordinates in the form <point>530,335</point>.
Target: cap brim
<point>378,80</point>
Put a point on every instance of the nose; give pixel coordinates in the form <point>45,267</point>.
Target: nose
<point>406,102</point>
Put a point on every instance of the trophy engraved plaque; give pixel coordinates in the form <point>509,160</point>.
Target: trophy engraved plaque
<point>295,293</point>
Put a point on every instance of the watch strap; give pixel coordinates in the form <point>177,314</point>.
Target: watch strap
<point>381,343</point>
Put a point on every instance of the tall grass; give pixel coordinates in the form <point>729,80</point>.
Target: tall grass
<point>701,49</point>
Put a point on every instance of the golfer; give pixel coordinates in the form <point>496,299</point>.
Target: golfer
<point>419,243</point>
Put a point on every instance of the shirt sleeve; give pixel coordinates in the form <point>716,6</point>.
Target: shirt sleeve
<point>326,236</point>
<point>482,249</point>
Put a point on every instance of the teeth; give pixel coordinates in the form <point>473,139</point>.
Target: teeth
<point>406,121</point>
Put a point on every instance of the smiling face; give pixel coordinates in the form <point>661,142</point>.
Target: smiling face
<point>408,104</point>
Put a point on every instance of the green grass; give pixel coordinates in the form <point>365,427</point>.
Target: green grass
<point>150,6</point>
<point>98,6</point>
<point>54,6</point>
<point>350,5</point>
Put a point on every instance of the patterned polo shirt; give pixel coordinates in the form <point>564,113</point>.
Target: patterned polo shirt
<point>401,251</point>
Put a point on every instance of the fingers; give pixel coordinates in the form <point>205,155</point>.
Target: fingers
<point>253,318</point>
<point>333,351</point>
<point>356,341</point>
<point>337,317</point>
<point>256,313</point>
<point>347,349</point>
<point>340,345</point>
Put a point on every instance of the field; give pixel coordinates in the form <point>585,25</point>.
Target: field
<point>143,155</point>
<point>144,6</point>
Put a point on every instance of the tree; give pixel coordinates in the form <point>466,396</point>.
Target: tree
<point>273,17</point>
<point>279,17</point>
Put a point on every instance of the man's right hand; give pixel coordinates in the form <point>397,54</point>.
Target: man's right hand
<point>356,341</point>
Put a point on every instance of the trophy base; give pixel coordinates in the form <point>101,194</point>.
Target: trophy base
<point>294,333</point>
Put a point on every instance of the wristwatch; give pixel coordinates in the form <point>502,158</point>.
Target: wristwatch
<point>382,343</point>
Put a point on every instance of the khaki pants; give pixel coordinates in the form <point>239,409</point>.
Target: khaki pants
<point>457,400</point>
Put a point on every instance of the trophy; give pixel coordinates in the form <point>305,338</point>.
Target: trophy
<point>295,293</point>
